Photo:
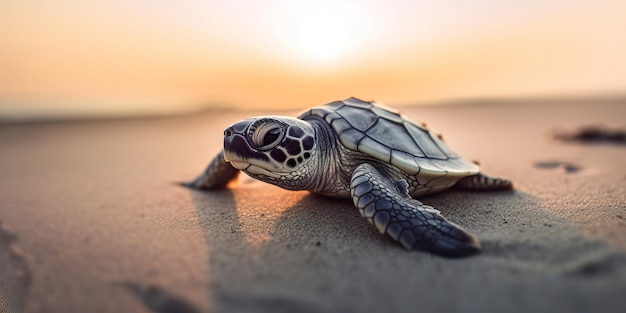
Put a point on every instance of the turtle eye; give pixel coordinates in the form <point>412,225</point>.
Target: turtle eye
<point>271,136</point>
<point>267,135</point>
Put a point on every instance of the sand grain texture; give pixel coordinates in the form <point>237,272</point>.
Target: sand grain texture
<point>93,209</point>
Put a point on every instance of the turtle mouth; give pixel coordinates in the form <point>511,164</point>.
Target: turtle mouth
<point>251,168</point>
<point>239,165</point>
<point>257,170</point>
<point>250,165</point>
<point>254,169</point>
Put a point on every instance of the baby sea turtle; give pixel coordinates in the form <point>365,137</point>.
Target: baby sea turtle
<point>363,151</point>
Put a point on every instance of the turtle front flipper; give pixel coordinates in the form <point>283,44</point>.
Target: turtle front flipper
<point>216,175</point>
<point>386,204</point>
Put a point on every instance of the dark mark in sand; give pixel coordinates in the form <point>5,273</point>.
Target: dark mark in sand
<point>15,276</point>
<point>594,134</point>
<point>568,167</point>
<point>158,299</point>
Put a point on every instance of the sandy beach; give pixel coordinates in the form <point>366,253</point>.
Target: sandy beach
<point>91,220</point>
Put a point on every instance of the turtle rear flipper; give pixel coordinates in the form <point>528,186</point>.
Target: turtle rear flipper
<point>482,182</point>
<point>416,226</point>
<point>216,175</point>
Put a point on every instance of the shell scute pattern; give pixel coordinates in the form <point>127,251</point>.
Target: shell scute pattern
<point>438,140</point>
<point>428,165</point>
<point>386,135</point>
<point>425,142</point>
<point>340,125</point>
<point>386,108</point>
<point>394,117</point>
<point>374,148</point>
<point>358,103</point>
<point>356,136</point>
<point>360,118</point>
<point>400,158</point>
<point>396,140</point>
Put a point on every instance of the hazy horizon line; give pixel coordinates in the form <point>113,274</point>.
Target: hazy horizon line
<point>42,117</point>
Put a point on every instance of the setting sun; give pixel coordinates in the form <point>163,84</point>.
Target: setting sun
<point>322,35</point>
<point>315,34</point>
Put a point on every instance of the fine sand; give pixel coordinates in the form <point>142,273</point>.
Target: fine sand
<point>91,220</point>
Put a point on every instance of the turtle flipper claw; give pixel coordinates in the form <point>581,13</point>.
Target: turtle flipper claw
<point>456,242</point>
<point>414,225</point>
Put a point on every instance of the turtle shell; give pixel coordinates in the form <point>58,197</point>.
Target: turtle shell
<point>386,135</point>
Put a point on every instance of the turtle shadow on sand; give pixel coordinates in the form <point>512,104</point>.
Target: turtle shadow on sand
<point>319,254</point>
<point>514,225</point>
<point>238,264</point>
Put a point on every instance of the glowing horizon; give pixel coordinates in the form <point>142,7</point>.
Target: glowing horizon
<point>119,57</point>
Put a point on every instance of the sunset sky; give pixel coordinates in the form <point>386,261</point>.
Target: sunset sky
<point>79,58</point>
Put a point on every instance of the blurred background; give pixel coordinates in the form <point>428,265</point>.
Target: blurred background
<point>76,58</point>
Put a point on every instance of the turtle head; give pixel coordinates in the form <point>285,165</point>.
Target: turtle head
<point>278,150</point>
